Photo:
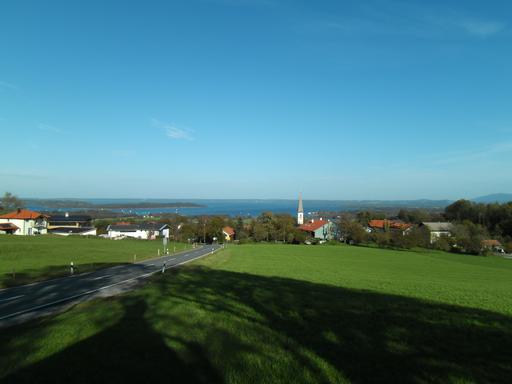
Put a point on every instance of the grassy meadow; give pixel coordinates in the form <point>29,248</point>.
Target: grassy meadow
<point>34,258</point>
<point>289,314</point>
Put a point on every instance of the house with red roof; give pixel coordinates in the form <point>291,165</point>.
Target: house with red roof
<point>27,222</point>
<point>228,233</point>
<point>492,245</point>
<point>388,225</point>
<point>320,229</point>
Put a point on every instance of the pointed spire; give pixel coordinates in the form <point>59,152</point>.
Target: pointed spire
<point>300,211</point>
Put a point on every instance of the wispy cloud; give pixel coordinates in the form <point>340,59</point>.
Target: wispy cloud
<point>481,28</point>
<point>49,128</point>
<point>407,19</point>
<point>172,131</point>
<point>10,86</point>
<point>464,157</point>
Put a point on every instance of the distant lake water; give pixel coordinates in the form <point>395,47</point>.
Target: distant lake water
<point>249,207</point>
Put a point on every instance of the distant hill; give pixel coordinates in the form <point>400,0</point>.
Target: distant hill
<point>494,198</point>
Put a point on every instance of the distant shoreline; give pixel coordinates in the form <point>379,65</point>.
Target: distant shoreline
<point>77,204</point>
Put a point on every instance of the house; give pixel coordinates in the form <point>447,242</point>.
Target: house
<point>228,233</point>
<point>66,231</point>
<point>388,225</point>
<point>493,245</point>
<point>320,229</point>
<point>69,221</point>
<point>138,231</point>
<point>28,222</point>
<point>67,224</point>
<point>437,230</point>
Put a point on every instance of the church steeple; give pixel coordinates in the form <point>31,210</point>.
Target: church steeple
<point>300,212</point>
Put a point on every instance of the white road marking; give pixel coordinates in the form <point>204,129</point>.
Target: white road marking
<point>12,298</point>
<point>101,277</point>
<point>94,290</point>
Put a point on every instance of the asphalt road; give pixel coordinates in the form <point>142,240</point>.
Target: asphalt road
<point>21,303</point>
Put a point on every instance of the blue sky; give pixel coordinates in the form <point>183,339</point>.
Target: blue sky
<point>256,99</point>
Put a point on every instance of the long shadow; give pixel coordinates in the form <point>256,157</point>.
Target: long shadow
<point>365,336</point>
<point>129,351</point>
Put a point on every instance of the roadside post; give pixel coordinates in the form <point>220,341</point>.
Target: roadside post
<point>163,266</point>
<point>166,248</point>
<point>134,259</point>
<point>72,268</point>
<point>176,235</point>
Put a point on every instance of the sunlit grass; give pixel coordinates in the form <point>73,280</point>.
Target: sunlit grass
<point>24,259</point>
<point>267,314</point>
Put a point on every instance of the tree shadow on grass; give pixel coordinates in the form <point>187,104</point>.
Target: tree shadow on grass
<point>128,351</point>
<point>364,336</point>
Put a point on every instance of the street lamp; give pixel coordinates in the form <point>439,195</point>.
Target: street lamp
<point>176,235</point>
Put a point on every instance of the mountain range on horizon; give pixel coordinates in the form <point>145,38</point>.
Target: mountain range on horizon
<point>494,198</point>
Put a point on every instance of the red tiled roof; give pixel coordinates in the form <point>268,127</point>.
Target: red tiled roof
<point>381,224</point>
<point>313,226</point>
<point>491,243</point>
<point>23,214</point>
<point>228,231</point>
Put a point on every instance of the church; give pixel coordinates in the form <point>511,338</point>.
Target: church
<point>317,229</point>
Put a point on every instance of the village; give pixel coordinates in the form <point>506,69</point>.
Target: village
<point>315,230</point>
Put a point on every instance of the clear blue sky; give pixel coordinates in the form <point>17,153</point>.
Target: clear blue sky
<point>256,98</point>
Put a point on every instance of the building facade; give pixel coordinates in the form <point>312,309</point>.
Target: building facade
<point>28,223</point>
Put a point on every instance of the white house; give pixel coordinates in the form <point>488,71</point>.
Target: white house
<point>437,230</point>
<point>78,231</point>
<point>28,222</point>
<point>138,231</point>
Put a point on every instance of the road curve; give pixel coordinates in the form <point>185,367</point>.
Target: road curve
<point>21,303</point>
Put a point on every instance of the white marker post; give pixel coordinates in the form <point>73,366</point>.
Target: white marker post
<point>163,266</point>
<point>166,248</point>
<point>72,268</point>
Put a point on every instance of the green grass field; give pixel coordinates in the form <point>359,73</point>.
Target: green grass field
<point>35,258</point>
<point>289,314</point>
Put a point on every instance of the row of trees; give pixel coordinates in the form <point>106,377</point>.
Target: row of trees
<point>495,218</point>
<point>472,223</point>
<point>466,237</point>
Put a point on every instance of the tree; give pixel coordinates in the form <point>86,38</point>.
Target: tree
<point>469,236</point>
<point>413,216</point>
<point>10,202</point>
<point>354,232</point>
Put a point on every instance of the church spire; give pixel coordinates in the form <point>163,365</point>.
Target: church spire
<point>300,211</point>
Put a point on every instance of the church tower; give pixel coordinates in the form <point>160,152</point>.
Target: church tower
<point>300,212</point>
